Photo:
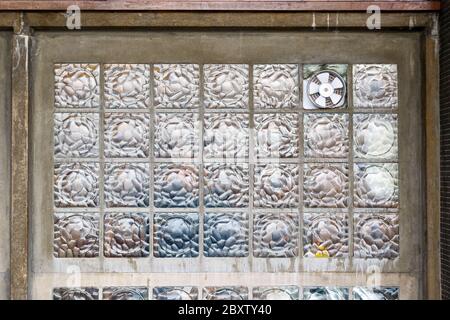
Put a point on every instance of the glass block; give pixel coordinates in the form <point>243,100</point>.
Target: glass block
<point>176,185</point>
<point>325,185</point>
<point>376,185</point>
<point>175,293</point>
<point>375,86</point>
<point>377,236</point>
<point>77,85</point>
<point>276,293</point>
<point>226,185</point>
<point>127,185</point>
<point>226,85</point>
<point>275,86</point>
<point>177,135</point>
<point>125,293</point>
<point>275,235</point>
<point>325,293</point>
<point>326,135</point>
<point>76,135</point>
<point>376,293</point>
<point>76,185</point>
<point>126,235</point>
<point>276,135</point>
<point>325,235</point>
<point>175,235</point>
<point>75,294</point>
<point>375,136</point>
<point>276,186</point>
<point>127,86</point>
<point>324,86</point>
<point>127,135</point>
<point>225,293</point>
<point>177,85</point>
<point>226,135</point>
<point>76,235</point>
<point>226,235</point>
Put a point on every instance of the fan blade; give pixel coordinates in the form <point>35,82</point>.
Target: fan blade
<point>336,83</point>
<point>313,87</point>
<point>335,98</point>
<point>321,101</point>
<point>323,77</point>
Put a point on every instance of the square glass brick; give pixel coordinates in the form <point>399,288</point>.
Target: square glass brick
<point>325,235</point>
<point>226,86</point>
<point>177,135</point>
<point>325,185</point>
<point>376,293</point>
<point>225,293</point>
<point>324,86</point>
<point>125,293</point>
<point>176,185</point>
<point>75,294</point>
<point>375,136</point>
<point>276,135</point>
<point>77,85</point>
<point>377,236</point>
<point>76,135</point>
<point>226,135</point>
<point>275,235</point>
<point>175,293</point>
<point>276,186</point>
<point>127,86</point>
<point>177,86</point>
<point>175,235</point>
<point>75,235</point>
<point>226,185</point>
<point>376,185</point>
<point>276,293</point>
<point>127,185</point>
<point>127,135</point>
<point>76,185</point>
<point>126,235</point>
<point>375,86</point>
<point>326,135</point>
<point>325,293</point>
<point>275,86</point>
<point>226,235</point>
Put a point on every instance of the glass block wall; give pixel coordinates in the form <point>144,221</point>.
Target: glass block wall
<point>272,161</point>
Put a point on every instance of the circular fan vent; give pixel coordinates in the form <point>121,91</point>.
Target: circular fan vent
<point>326,89</point>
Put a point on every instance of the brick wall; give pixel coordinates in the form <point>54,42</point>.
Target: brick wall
<point>445,146</point>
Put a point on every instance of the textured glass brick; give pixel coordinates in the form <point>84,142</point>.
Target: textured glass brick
<point>275,235</point>
<point>226,185</point>
<point>226,235</point>
<point>176,185</point>
<point>325,293</point>
<point>127,85</point>
<point>276,186</point>
<point>375,86</point>
<point>377,236</point>
<point>376,293</point>
<point>76,235</point>
<point>125,293</point>
<point>76,185</point>
<point>177,135</point>
<point>325,235</point>
<point>276,135</point>
<point>376,185</point>
<point>226,85</point>
<point>225,293</point>
<point>325,185</point>
<point>275,86</point>
<point>276,293</point>
<point>77,85</point>
<point>175,235</point>
<point>126,235</point>
<point>177,85</point>
<point>127,135</point>
<point>75,294</point>
<point>127,185</point>
<point>175,293</point>
<point>326,135</point>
